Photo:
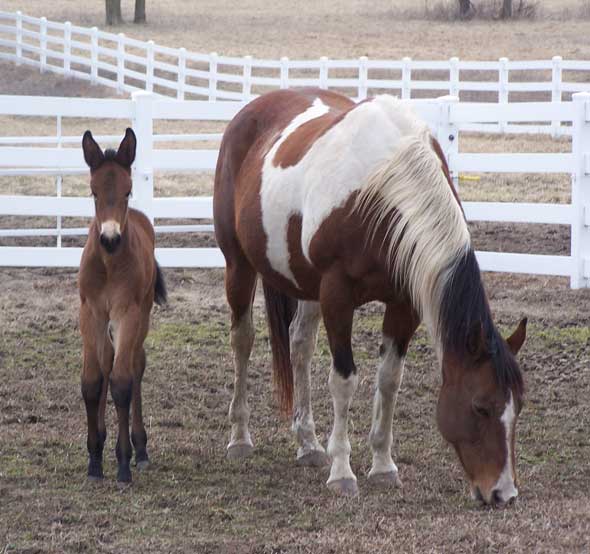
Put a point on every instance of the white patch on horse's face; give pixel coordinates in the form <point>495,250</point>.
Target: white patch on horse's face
<point>110,229</point>
<point>335,166</point>
<point>505,484</point>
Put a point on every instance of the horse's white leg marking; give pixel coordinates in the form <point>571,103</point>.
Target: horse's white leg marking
<point>304,334</point>
<point>341,475</point>
<point>242,339</point>
<point>505,484</point>
<point>389,378</point>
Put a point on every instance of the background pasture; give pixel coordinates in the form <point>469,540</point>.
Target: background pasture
<point>195,501</point>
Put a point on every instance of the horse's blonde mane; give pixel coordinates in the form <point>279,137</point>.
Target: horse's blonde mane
<point>425,231</point>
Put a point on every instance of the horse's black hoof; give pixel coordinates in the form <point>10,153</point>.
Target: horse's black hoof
<point>124,475</point>
<point>95,471</point>
<point>95,478</point>
<point>142,465</point>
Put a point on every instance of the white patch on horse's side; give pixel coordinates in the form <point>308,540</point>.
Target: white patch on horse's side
<point>505,484</point>
<point>336,165</point>
<point>279,200</point>
<point>110,229</point>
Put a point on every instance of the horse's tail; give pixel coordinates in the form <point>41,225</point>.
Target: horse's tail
<point>161,295</point>
<point>280,310</point>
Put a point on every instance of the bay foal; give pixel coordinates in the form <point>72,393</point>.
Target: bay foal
<point>335,204</point>
<point>119,280</point>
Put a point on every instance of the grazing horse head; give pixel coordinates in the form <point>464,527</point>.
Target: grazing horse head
<point>110,183</point>
<point>478,406</point>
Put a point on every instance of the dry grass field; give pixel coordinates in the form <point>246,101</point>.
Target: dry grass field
<point>193,500</point>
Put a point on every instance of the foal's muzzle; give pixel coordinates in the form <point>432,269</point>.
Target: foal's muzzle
<point>110,244</point>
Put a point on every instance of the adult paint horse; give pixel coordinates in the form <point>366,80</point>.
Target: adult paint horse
<point>119,280</point>
<point>336,204</point>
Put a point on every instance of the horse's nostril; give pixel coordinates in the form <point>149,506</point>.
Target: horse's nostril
<point>497,498</point>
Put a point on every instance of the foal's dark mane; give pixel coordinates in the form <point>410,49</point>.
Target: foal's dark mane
<point>109,155</point>
<point>464,308</point>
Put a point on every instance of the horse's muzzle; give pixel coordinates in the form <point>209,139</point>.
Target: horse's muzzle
<point>110,244</point>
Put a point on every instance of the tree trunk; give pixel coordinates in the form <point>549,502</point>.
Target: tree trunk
<point>139,11</point>
<point>465,9</point>
<point>113,10</point>
<point>506,9</point>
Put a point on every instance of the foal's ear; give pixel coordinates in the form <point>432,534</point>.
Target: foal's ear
<point>126,152</point>
<point>516,340</point>
<point>476,343</point>
<point>92,153</point>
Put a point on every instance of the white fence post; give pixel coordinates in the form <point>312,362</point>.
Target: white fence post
<point>284,72</point>
<point>94,55</point>
<point>213,76</point>
<point>143,173</point>
<point>43,44</point>
<point>324,72</point>
<point>363,89</point>
<point>580,239</point>
<point>67,48</point>
<point>149,66</point>
<point>556,91</point>
<point>454,77</point>
<point>181,74</point>
<point>120,62</point>
<point>447,134</point>
<point>19,37</point>
<point>247,84</point>
<point>503,89</point>
<point>407,79</point>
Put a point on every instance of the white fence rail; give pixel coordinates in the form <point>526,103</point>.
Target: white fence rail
<point>126,64</point>
<point>444,115</point>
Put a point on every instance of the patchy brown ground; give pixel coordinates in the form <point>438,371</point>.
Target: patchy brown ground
<point>193,500</point>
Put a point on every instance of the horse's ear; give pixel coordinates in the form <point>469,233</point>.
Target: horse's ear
<point>516,340</point>
<point>126,153</point>
<point>475,340</point>
<point>93,155</point>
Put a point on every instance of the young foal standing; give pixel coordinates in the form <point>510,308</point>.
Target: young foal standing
<point>336,204</point>
<point>119,280</point>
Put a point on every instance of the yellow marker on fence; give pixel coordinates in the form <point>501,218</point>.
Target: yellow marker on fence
<point>469,177</point>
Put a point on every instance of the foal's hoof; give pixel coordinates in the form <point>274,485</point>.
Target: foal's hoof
<point>314,458</point>
<point>344,487</point>
<point>95,479</point>
<point>142,465</point>
<point>123,485</point>
<point>386,480</point>
<point>239,451</point>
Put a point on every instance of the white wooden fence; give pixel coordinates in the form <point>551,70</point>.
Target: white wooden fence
<point>126,64</point>
<point>445,116</point>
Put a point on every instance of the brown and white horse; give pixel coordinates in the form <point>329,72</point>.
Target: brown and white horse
<point>119,280</point>
<point>336,204</point>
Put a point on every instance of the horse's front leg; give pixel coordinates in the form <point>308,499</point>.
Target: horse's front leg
<point>92,385</point>
<point>126,328</point>
<point>338,310</point>
<point>303,337</point>
<point>399,324</point>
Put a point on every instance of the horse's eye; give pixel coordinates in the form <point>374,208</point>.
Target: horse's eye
<point>482,411</point>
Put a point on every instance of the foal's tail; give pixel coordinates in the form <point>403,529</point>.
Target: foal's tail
<point>161,295</point>
<point>280,310</point>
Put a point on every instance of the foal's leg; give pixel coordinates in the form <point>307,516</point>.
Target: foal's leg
<point>399,324</point>
<point>240,284</point>
<point>92,384</point>
<point>122,385</point>
<point>338,311</point>
<point>138,434</point>
<point>303,334</point>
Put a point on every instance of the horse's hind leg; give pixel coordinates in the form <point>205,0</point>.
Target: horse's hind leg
<point>303,337</point>
<point>240,284</point>
<point>138,434</point>
<point>399,324</point>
